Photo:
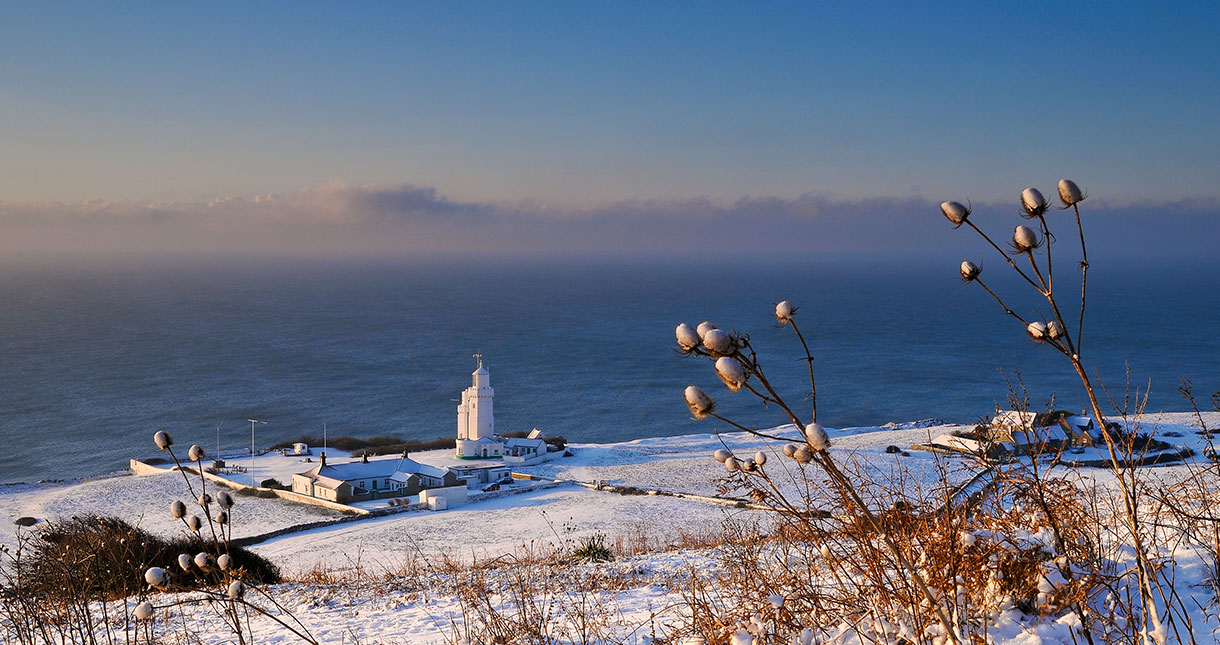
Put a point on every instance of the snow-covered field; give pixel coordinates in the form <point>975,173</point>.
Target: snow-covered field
<point>551,517</point>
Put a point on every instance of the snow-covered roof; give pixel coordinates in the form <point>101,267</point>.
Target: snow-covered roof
<point>1013,419</point>
<point>1038,435</point>
<point>410,466</point>
<point>376,469</point>
<point>536,443</point>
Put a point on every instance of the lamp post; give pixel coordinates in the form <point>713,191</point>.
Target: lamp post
<point>253,422</point>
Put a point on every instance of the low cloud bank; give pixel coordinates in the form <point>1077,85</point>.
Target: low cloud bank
<point>338,219</point>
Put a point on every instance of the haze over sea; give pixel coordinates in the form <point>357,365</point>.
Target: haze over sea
<point>95,357</point>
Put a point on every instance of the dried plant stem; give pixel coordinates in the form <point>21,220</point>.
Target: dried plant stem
<point>1004,255</point>
<point>813,389</point>
<point>1084,275</point>
<point>844,488</point>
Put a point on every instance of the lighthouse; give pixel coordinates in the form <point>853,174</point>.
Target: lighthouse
<point>476,425</point>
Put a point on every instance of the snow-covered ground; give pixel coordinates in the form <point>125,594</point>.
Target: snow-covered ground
<point>503,525</point>
<point>143,501</point>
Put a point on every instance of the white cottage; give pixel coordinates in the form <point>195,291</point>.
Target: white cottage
<point>364,480</point>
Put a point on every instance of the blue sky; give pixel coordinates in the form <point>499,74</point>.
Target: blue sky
<point>568,107</point>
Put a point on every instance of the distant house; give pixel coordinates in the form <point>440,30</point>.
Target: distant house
<point>364,480</point>
<point>1013,432</point>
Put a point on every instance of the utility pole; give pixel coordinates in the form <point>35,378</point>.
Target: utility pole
<point>253,422</point>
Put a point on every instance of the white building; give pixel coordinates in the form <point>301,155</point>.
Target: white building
<point>365,480</point>
<point>476,426</point>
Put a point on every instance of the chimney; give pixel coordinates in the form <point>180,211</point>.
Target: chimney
<point>364,459</point>
<point>323,459</point>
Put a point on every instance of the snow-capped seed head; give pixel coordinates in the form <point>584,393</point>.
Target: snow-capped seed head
<point>143,611</point>
<point>224,499</point>
<point>688,338</point>
<point>703,328</point>
<point>722,455</point>
<point>749,466</point>
<point>784,311</point>
<point>1033,203</point>
<point>163,440</point>
<point>203,561</point>
<point>731,464</point>
<point>742,637</point>
<point>225,562</point>
<point>204,499</point>
<point>1054,329</point>
<point>1037,331</point>
<point>802,455</point>
<point>195,453</point>
<point>731,372</point>
<point>969,270</point>
<point>1024,239</point>
<point>194,523</point>
<point>1069,192</point>
<point>185,561</point>
<point>236,590</point>
<point>789,449</point>
<point>967,539</point>
<point>222,517</point>
<point>700,403</point>
<point>776,601</point>
<point>955,212</point>
<point>718,341</point>
<point>177,510</point>
<point>760,458</point>
<point>157,577</point>
<point>816,437</point>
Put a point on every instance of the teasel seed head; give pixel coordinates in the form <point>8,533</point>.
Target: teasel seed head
<point>1037,331</point>
<point>719,343</point>
<point>784,311</point>
<point>816,437</point>
<point>1069,193</point>
<point>1025,240</point>
<point>700,403</point>
<point>688,338</point>
<point>955,212</point>
<point>143,611</point>
<point>163,440</point>
<point>1033,203</point>
<point>969,270</point>
<point>731,372</point>
<point>157,577</point>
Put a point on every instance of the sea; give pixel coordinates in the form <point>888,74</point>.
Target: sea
<point>95,356</point>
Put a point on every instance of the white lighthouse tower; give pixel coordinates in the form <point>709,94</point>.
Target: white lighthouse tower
<point>475,419</point>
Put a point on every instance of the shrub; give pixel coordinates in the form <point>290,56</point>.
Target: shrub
<point>593,549</point>
<point>104,558</point>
